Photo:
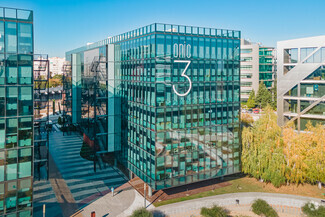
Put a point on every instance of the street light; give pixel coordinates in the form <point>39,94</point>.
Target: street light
<point>144,193</point>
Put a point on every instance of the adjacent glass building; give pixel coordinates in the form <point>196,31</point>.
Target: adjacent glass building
<point>173,100</point>
<point>16,112</point>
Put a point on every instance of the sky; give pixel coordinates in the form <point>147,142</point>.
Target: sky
<point>63,25</point>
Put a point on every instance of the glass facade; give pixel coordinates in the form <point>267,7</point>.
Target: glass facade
<point>179,96</point>
<point>16,112</point>
<point>267,66</point>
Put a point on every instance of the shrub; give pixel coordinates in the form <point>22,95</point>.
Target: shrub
<point>60,120</point>
<point>214,211</point>
<point>141,212</point>
<point>86,152</point>
<point>313,210</point>
<point>261,207</point>
<point>247,119</point>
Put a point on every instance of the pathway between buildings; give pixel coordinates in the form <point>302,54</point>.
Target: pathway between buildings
<point>72,178</point>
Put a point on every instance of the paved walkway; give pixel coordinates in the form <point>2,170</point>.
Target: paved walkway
<point>73,178</point>
<point>286,204</point>
<point>124,202</point>
<point>43,194</point>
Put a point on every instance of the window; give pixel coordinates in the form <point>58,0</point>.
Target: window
<point>12,95</point>
<point>246,59</point>
<point>245,67</point>
<point>290,55</point>
<point>25,38</point>
<point>11,164</point>
<point>304,52</point>
<point>246,51</point>
<point>25,162</point>
<point>11,37</point>
<point>246,84</point>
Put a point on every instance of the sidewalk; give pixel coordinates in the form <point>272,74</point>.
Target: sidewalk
<point>285,204</point>
<point>124,202</point>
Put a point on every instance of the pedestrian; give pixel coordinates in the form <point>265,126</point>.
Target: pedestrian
<point>112,190</point>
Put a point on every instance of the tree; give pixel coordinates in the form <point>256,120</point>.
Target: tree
<point>251,100</point>
<point>53,106</point>
<point>264,96</point>
<point>262,151</point>
<point>315,159</point>
<point>60,120</point>
<point>246,119</point>
<point>274,95</point>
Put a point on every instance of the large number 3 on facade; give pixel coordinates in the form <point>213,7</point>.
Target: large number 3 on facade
<point>183,75</point>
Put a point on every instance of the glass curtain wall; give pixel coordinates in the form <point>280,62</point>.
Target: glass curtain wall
<point>16,112</point>
<point>179,126</point>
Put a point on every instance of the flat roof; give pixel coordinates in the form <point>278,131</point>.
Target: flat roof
<point>161,28</point>
<point>16,14</point>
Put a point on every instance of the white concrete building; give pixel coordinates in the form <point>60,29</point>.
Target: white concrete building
<point>301,81</point>
<point>56,64</point>
<point>257,64</point>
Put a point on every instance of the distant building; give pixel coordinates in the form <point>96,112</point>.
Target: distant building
<point>301,81</point>
<point>257,64</point>
<point>56,64</point>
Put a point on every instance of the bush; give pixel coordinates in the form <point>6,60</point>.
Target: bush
<point>247,119</point>
<point>60,120</point>
<point>86,152</point>
<point>141,212</point>
<point>261,207</point>
<point>313,210</point>
<point>214,211</point>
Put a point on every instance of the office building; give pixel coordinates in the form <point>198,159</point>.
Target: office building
<point>16,112</point>
<point>258,64</point>
<point>56,64</point>
<point>301,81</point>
<point>164,99</point>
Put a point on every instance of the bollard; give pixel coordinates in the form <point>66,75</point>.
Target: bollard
<point>43,210</point>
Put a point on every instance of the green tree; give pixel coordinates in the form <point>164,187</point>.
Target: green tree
<point>60,120</point>
<point>274,94</point>
<point>251,100</point>
<point>262,149</point>
<point>53,106</point>
<point>264,96</point>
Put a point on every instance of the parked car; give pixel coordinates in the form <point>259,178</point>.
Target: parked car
<point>256,111</point>
<point>250,110</point>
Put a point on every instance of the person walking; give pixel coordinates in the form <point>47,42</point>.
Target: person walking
<point>112,190</point>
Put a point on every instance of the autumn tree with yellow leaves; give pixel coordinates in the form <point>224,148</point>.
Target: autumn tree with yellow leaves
<point>279,155</point>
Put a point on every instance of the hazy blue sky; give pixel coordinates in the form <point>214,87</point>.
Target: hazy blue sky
<point>62,25</point>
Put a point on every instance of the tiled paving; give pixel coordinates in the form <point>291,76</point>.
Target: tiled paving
<point>43,194</point>
<point>77,172</point>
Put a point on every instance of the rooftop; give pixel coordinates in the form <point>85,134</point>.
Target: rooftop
<point>16,14</point>
<point>162,28</point>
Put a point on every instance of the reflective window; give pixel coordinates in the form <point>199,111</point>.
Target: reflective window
<point>290,55</point>
<point>25,38</point>
<point>11,37</point>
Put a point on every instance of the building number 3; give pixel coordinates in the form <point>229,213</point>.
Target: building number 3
<point>183,75</point>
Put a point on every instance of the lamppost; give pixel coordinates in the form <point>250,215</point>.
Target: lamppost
<point>144,193</point>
